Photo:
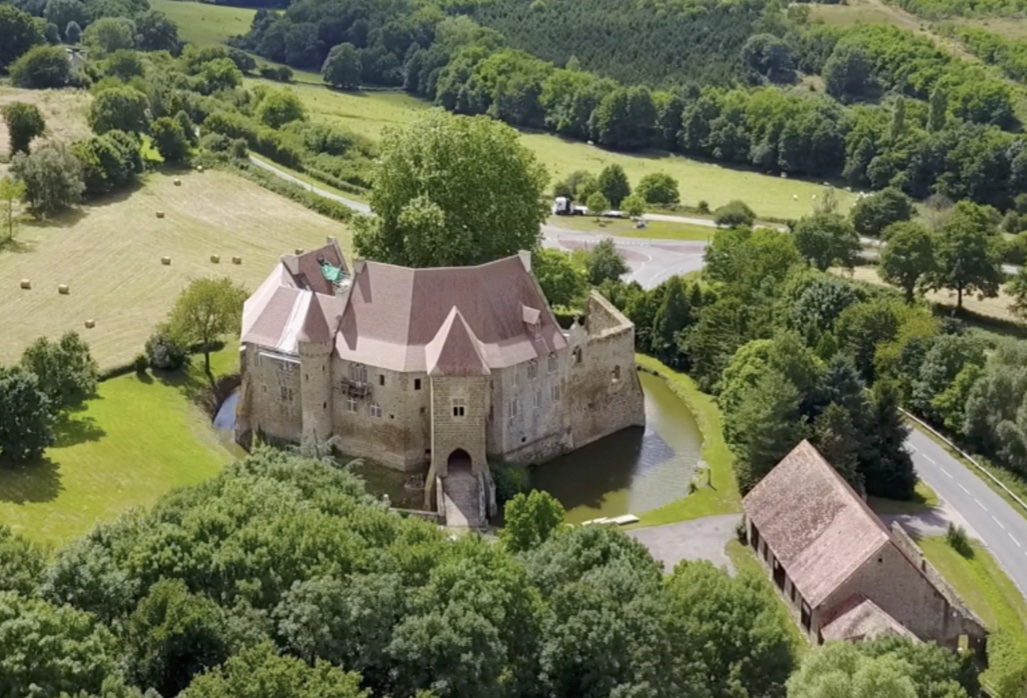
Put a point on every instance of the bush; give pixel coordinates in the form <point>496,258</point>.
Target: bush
<point>280,74</point>
<point>957,539</point>
<point>734,213</point>
<point>140,363</point>
<point>41,67</point>
<point>511,480</point>
<point>52,177</point>
<point>109,162</point>
<point>171,140</point>
<point>658,188</point>
<point>703,207</point>
<point>163,353</point>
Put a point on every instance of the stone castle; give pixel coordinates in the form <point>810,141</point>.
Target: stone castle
<point>431,371</point>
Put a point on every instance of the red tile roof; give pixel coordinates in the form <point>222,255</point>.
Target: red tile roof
<point>858,618</point>
<point>814,523</point>
<point>455,351</point>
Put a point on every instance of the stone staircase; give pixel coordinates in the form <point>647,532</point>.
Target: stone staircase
<point>462,499</point>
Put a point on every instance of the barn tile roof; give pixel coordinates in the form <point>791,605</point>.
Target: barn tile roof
<point>455,351</point>
<point>858,618</point>
<point>814,523</point>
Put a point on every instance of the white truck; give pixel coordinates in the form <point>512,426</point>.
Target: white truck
<point>563,206</point>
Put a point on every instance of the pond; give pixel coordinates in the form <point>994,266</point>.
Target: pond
<point>632,471</point>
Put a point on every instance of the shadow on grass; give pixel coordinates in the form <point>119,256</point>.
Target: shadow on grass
<point>17,246</point>
<point>72,430</point>
<point>36,482</point>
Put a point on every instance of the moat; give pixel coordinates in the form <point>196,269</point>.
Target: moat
<point>632,471</point>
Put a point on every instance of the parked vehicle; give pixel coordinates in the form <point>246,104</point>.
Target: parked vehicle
<point>563,206</point>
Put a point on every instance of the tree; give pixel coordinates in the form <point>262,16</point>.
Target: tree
<point>613,183</point>
<point>26,420</point>
<point>562,281</point>
<point>279,107</point>
<point>109,34</point>
<point>261,672</point>
<point>453,190</point>
<point>597,203</point>
<point>672,317</point>
<point>52,177</point>
<point>155,32</point>
<point>41,67</point>
<point>24,122</point>
<point>1016,289</point>
<point>10,192</point>
<point>826,239</point>
<point>49,650</point>
<point>342,67</point>
<point>22,563</point>
<point>768,56</point>
<point>734,213</point>
<point>841,669</point>
<point>939,110</point>
<point>173,636</point>
<point>529,519</point>
<point>849,73</point>
<point>66,370</point>
<point>658,188</point>
<point>604,262</point>
<point>125,65</point>
<point>908,256</point>
<point>63,12</point>
<point>21,31</point>
<point>73,32</point>
<point>967,254</point>
<point>164,354</point>
<point>767,426</point>
<point>205,311</point>
<point>835,437</point>
<point>120,108</point>
<point>634,206</point>
<point>872,214</point>
<point>170,139</point>
<point>109,162</point>
<point>887,467</point>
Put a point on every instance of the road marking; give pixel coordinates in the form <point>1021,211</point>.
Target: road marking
<point>947,473</point>
<point>979,503</point>
<point>998,522</point>
<point>928,459</point>
<point>962,487</point>
<point>1014,539</point>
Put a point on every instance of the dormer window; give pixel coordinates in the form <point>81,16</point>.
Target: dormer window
<point>532,317</point>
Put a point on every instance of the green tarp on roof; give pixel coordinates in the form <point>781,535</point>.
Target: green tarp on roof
<point>332,273</point>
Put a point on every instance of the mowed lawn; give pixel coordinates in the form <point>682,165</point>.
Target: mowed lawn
<point>654,230</point>
<point>369,113</point>
<point>137,439</point>
<point>203,24</point>
<point>109,254</point>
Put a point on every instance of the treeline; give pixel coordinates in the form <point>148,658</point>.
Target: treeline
<point>282,578</point>
<point>939,9</point>
<point>1008,55</point>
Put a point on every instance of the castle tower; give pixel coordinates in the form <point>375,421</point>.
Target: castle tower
<point>315,345</point>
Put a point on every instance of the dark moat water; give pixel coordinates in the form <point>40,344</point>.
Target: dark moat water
<point>632,471</point>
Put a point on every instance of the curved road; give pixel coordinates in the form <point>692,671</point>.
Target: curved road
<point>987,516</point>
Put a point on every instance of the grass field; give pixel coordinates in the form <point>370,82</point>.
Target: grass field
<point>986,590</point>
<point>722,496</point>
<point>63,110</point>
<point>200,23</point>
<point>924,499</point>
<point>1009,27</point>
<point>110,256</point>
<point>654,230</point>
<point>137,439</point>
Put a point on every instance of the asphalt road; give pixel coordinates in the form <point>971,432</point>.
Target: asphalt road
<point>988,517</point>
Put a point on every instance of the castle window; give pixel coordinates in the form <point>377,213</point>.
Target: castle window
<point>616,373</point>
<point>459,407</point>
<point>351,404</point>
<point>417,384</point>
<point>513,408</point>
<point>381,379</point>
<point>538,399</point>
<point>358,373</point>
<point>555,392</point>
<point>532,369</point>
<point>577,355</point>
<point>286,394</point>
<point>554,363</point>
<point>376,410</point>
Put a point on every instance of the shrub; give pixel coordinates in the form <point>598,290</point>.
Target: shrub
<point>511,480</point>
<point>171,140</point>
<point>163,353</point>
<point>52,177</point>
<point>280,74</point>
<point>41,67</point>
<point>140,363</point>
<point>734,213</point>
<point>658,188</point>
<point>703,207</point>
<point>24,122</point>
<point>109,162</point>
<point>958,540</point>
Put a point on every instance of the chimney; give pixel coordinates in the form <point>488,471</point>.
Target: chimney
<point>525,259</point>
<point>330,240</point>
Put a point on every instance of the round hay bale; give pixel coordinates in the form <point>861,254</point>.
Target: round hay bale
<point>215,258</point>
<point>90,324</point>
<point>299,250</point>
<point>236,260</point>
<point>177,182</point>
<point>166,261</point>
<point>160,214</point>
<point>26,284</point>
<point>63,289</point>
<point>199,168</point>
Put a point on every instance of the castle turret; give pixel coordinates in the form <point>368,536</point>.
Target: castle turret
<point>314,342</point>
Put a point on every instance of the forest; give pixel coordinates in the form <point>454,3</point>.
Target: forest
<point>282,577</point>
<point>895,109</point>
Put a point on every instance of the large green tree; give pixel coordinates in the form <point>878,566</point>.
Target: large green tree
<point>171,139</point>
<point>658,188</point>
<point>826,239</point>
<point>206,311</point>
<point>22,563</point>
<point>26,416</point>
<point>342,67</point>
<point>109,34</point>
<point>41,67</point>
<point>66,370</point>
<point>873,213</point>
<point>613,183</point>
<point>24,122</point>
<point>967,253</point>
<point>453,190</point>
<point>529,519</point>
<point>121,108</point>
<point>21,31</point>
<point>767,425</point>
<point>52,176</point>
<point>563,281</point>
<point>604,262</point>
<point>907,259</point>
